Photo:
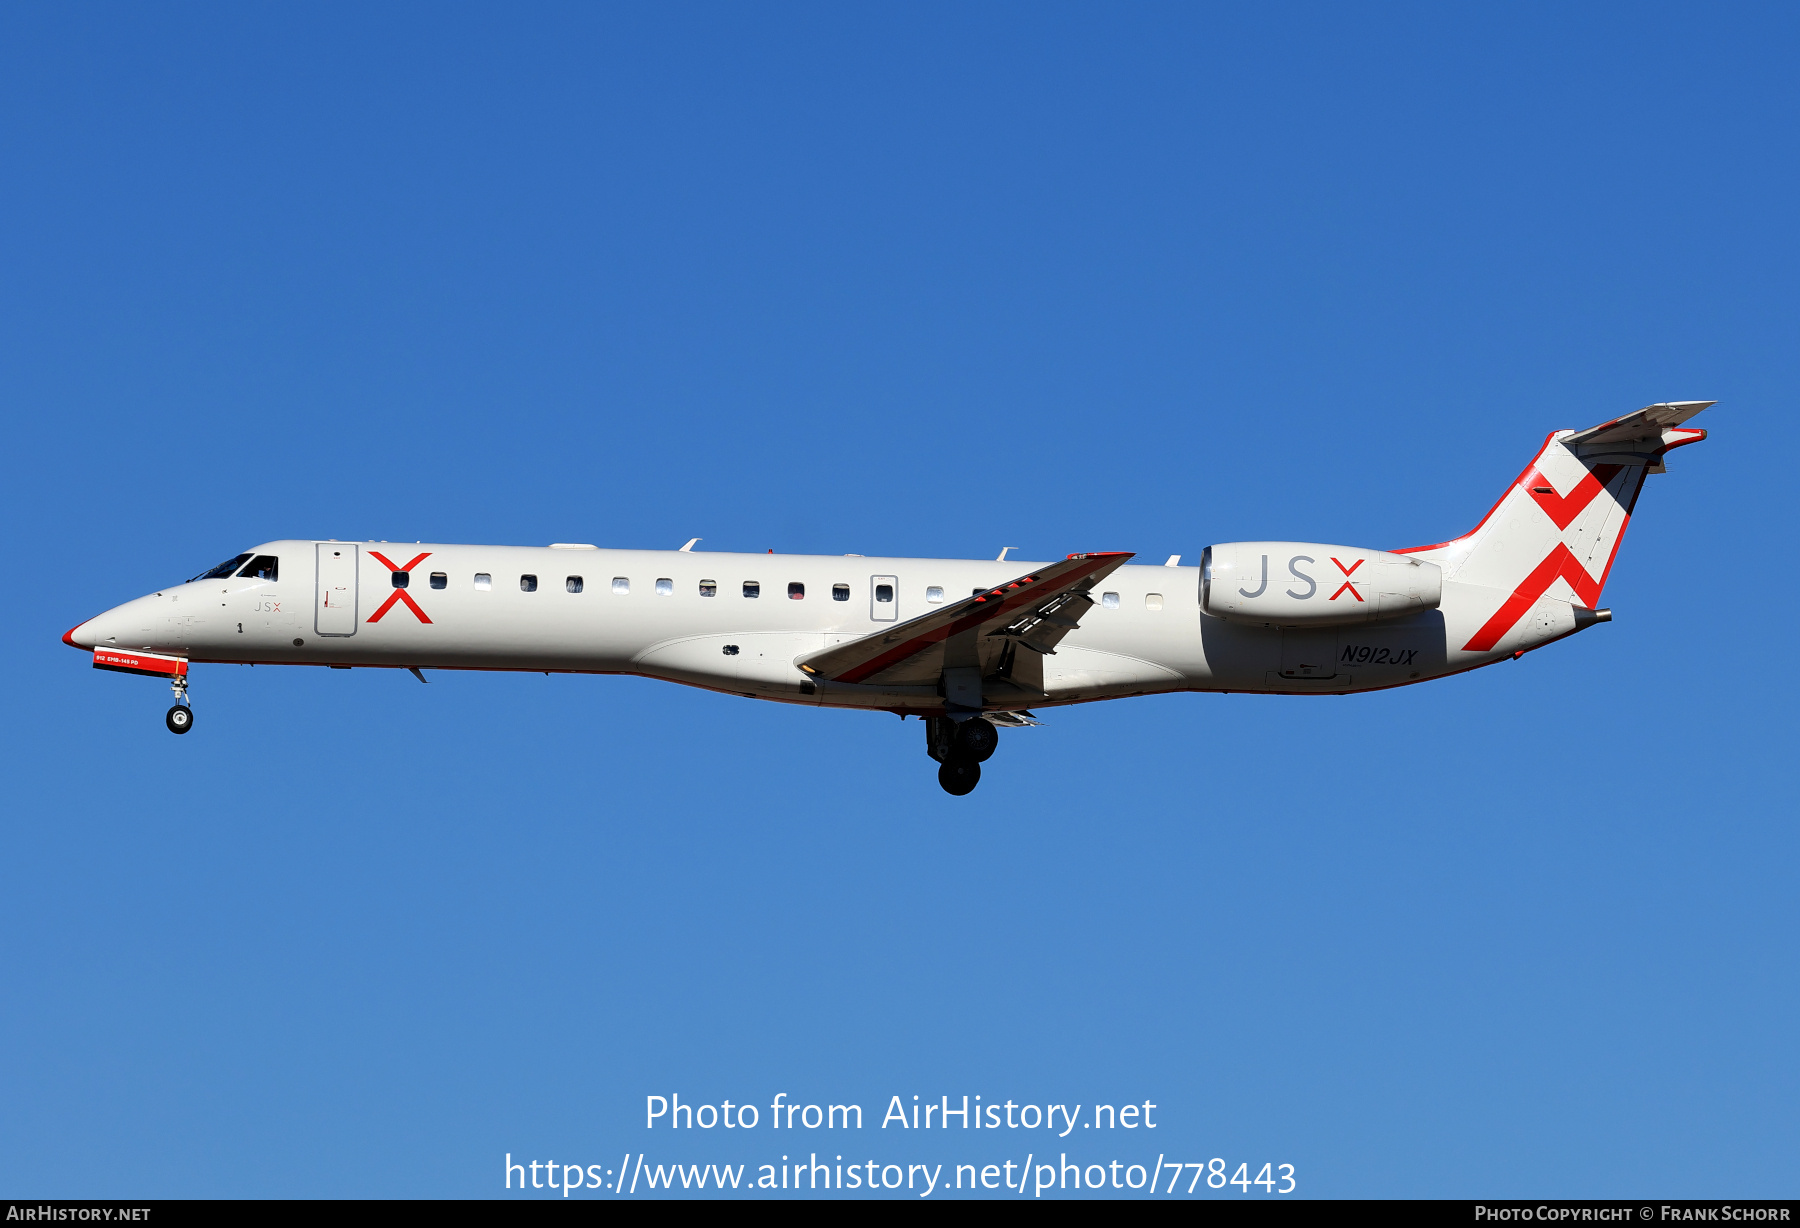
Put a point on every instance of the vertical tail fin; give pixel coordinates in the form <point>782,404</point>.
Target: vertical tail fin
<point>1558,527</point>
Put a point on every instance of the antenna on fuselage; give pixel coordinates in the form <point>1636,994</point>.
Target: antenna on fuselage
<point>688,549</point>
<point>1001,557</point>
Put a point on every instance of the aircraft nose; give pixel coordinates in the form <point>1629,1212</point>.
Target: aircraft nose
<point>100,629</point>
<point>132,624</point>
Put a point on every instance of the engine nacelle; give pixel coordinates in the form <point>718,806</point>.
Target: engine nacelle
<point>1305,584</point>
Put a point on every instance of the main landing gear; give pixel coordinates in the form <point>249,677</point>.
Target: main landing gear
<point>181,717</point>
<point>961,747</point>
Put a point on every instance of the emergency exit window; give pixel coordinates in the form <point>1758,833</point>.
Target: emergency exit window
<point>439,579</point>
<point>884,592</point>
<point>573,584</point>
<point>483,581</point>
<point>528,584</point>
<point>1109,601</point>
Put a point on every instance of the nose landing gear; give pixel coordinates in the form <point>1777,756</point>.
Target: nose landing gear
<point>180,718</point>
<point>961,747</point>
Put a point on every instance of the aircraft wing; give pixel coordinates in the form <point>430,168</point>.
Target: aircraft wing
<point>1647,424</point>
<point>1034,611</point>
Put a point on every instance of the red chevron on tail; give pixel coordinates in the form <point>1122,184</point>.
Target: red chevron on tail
<point>1560,563</point>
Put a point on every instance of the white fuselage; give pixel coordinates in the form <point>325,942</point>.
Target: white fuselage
<point>687,617</point>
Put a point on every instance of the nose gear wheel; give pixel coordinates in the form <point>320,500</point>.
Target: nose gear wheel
<point>180,718</point>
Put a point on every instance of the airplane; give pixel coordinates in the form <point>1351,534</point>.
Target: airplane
<point>968,646</point>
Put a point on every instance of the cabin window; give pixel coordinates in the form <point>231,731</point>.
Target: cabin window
<point>1109,601</point>
<point>665,587</point>
<point>573,584</point>
<point>439,579</point>
<point>223,570</point>
<point>796,591</point>
<point>402,578</point>
<point>884,592</point>
<point>1153,601</point>
<point>752,588</point>
<point>528,584</point>
<point>621,585</point>
<point>840,592</point>
<point>934,594</point>
<point>709,588</point>
<point>483,581</point>
<point>262,567</point>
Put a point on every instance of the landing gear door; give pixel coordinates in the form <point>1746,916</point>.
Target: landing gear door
<point>884,598</point>
<point>335,612</point>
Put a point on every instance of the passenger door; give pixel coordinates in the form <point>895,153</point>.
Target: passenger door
<point>335,612</point>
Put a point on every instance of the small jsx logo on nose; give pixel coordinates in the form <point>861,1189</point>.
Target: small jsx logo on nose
<point>402,577</point>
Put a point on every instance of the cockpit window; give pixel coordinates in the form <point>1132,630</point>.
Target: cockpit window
<point>262,567</point>
<point>223,569</point>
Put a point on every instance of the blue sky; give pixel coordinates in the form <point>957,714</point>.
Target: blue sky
<point>925,281</point>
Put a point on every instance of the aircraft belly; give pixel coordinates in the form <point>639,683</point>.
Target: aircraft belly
<point>1080,672</point>
<point>757,663</point>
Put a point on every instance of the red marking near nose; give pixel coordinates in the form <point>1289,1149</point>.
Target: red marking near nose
<point>1348,570</point>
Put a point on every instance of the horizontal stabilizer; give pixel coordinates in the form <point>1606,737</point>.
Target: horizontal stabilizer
<point>1644,427</point>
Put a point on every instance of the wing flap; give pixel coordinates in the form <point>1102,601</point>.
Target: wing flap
<point>1035,610</point>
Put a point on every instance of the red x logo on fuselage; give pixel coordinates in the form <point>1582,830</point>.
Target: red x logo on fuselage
<point>400,594</point>
<point>1347,584</point>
